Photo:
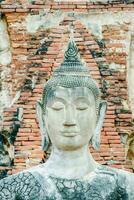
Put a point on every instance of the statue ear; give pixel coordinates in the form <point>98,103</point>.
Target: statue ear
<point>100,119</point>
<point>43,130</point>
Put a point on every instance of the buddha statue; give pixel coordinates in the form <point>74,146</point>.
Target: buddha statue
<point>70,115</point>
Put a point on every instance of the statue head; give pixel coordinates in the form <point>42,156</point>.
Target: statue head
<point>71,112</point>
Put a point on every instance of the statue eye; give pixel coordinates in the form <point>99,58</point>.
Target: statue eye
<point>82,106</point>
<point>58,106</point>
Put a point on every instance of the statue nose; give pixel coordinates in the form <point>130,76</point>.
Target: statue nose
<point>69,123</point>
<point>69,119</point>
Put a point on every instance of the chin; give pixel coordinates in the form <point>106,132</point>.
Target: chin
<point>71,144</point>
<point>69,148</point>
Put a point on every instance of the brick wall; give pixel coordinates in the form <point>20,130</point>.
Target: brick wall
<point>39,32</point>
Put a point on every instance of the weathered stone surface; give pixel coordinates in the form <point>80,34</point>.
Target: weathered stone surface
<point>5,53</point>
<point>5,71</point>
<point>131,75</point>
<point>45,19</point>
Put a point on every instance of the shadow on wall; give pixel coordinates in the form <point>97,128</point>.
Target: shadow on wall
<point>3,173</point>
<point>130,153</point>
<point>127,138</point>
<point>6,149</point>
<point>6,153</point>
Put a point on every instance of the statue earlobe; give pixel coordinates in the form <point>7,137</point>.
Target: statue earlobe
<point>101,115</point>
<point>43,131</point>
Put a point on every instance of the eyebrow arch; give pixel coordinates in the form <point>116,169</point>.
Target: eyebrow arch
<point>82,98</point>
<point>59,99</point>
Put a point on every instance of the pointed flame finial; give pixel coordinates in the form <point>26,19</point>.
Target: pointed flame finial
<point>72,64</point>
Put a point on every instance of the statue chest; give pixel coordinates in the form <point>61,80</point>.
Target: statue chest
<point>97,189</point>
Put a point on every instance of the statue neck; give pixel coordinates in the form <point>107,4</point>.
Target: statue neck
<point>71,164</point>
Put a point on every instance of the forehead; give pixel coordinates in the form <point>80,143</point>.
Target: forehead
<point>75,92</point>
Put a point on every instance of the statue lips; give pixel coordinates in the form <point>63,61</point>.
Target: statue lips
<point>70,133</point>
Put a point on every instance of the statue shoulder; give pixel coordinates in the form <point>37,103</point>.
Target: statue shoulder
<point>118,173</point>
<point>23,185</point>
<point>124,180</point>
<point>129,182</point>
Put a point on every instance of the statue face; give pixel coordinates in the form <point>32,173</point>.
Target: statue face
<point>70,117</point>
